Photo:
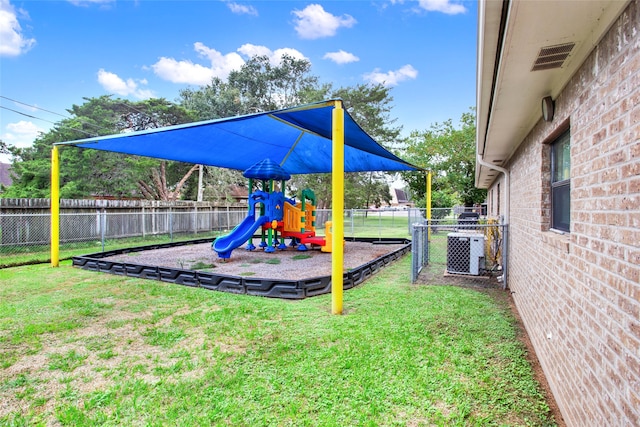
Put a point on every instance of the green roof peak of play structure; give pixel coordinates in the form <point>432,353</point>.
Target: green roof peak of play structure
<point>298,139</point>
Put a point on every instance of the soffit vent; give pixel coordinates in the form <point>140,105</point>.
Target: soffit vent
<point>551,57</point>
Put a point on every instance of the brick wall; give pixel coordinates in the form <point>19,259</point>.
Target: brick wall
<point>579,293</point>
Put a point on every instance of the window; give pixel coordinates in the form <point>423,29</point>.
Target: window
<point>560,182</point>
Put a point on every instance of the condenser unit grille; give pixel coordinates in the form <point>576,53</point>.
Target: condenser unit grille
<point>465,253</point>
<point>458,259</point>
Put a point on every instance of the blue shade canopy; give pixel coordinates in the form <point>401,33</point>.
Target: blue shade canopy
<point>299,139</point>
<point>267,169</point>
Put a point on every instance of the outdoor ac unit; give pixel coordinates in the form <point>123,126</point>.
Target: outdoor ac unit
<point>465,253</point>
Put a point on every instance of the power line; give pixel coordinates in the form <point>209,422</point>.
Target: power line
<point>48,121</point>
<point>25,114</point>
<point>67,117</point>
<point>33,106</point>
<point>48,111</point>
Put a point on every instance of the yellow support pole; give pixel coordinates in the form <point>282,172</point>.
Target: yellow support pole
<point>55,207</point>
<point>337,208</point>
<point>428,205</point>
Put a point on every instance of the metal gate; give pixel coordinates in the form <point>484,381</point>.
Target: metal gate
<point>462,250</point>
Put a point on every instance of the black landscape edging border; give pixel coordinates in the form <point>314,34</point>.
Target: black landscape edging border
<point>273,288</point>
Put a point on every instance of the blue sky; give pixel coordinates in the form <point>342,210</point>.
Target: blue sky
<point>55,53</point>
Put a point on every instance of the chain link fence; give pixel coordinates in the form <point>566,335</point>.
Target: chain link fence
<point>465,249</point>
<point>447,248</point>
<point>26,237</point>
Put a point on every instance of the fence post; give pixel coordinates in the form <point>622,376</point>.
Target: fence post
<point>143,222</point>
<point>103,226</point>
<point>414,254</point>
<point>195,218</point>
<point>170,224</point>
<point>426,242</point>
<point>154,220</point>
<point>353,213</point>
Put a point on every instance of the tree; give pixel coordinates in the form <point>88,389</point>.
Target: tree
<point>365,189</point>
<point>86,172</point>
<point>157,179</point>
<point>262,86</point>
<point>450,154</point>
<point>83,172</point>
<point>370,106</point>
<point>4,149</point>
<point>258,86</point>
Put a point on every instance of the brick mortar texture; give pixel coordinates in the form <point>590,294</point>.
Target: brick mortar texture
<point>579,294</point>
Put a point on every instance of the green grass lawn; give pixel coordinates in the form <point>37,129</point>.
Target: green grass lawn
<point>374,225</point>
<point>80,348</point>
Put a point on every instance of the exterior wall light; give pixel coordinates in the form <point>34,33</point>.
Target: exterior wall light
<point>548,107</point>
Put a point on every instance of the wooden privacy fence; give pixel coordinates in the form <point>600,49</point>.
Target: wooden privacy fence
<point>25,224</point>
<point>27,221</point>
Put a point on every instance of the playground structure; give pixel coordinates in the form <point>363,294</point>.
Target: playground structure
<point>320,137</point>
<point>278,217</point>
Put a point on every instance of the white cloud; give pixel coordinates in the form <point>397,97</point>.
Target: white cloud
<point>188,72</point>
<point>445,6</point>
<point>182,71</point>
<point>392,78</point>
<point>450,7</point>
<point>251,50</point>
<point>313,22</point>
<point>341,57</point>
<point>242,9</point>
<point>14,42</point>
<point>111,82</point>
<point>277,54</point>
<point>221,65</point>
<point>90,2</point>
<point>19,134</point>
<point>275,57</point>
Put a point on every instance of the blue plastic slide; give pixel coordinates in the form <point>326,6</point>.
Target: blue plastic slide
<point>224,245</point>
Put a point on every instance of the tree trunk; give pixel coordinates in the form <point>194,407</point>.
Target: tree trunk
<point>157,188</point>
<point>176,192</point>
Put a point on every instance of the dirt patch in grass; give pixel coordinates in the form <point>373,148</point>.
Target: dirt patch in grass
<point>111,349</point>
